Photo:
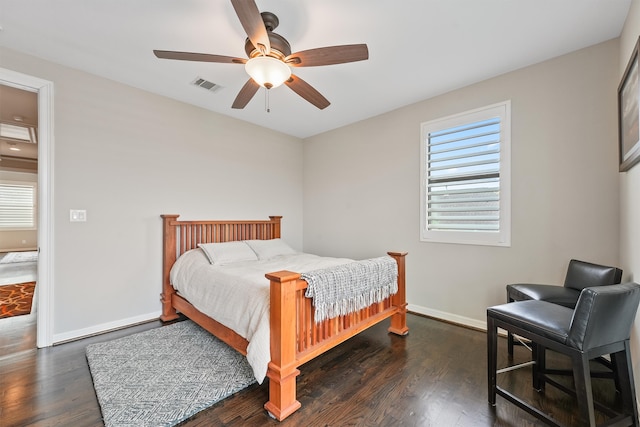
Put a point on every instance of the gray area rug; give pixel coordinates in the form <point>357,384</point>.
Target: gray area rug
<point>165,375</point>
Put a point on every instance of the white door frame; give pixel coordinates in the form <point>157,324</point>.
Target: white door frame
<point>44,88</point>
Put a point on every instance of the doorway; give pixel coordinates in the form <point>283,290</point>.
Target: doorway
<point>44,90</point>
<point>18,218</point>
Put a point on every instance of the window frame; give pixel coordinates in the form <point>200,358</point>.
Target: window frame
<point>502,237</point>
<point>34,187</point>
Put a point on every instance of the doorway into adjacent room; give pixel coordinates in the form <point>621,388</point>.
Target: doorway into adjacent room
<point>26,143</point>
<point>18,218</point>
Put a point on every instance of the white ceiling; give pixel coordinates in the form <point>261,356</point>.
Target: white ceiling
<point>417,48</point>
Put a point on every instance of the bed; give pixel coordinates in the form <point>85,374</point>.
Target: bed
<point>294,336</point>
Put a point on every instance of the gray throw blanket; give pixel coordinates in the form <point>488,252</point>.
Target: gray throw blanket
<point>351,287</point>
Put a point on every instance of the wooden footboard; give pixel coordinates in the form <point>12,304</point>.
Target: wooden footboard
<point>295,336</point>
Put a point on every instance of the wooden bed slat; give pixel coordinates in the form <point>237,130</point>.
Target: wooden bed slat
<point>295,337</point>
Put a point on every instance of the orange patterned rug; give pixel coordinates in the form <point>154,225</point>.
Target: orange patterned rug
<point>15,300</point>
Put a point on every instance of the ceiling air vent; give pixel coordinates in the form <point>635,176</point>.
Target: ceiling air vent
<point>206,84</point>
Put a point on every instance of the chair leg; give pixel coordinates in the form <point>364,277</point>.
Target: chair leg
<point>624,380</point>
<point>510,344</point>
<point>614,368</point>
<point>539,367</point>
<point>510,336</point>
<point>584,393</point>
<point>492,359</point>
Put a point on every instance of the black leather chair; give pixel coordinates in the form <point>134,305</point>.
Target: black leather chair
<point>599,325</point>
<point>580,274</point>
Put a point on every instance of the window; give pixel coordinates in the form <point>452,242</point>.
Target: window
<point>17,205</point>
<point>465,184</point>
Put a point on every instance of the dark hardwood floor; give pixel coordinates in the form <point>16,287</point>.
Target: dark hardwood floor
<point>17,334</point>
<point>435,376</point>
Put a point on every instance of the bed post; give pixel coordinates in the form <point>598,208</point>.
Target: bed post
<point>282,370</point>
<point>168,258</point>
<point>276,222</point>
<point>399,300</point>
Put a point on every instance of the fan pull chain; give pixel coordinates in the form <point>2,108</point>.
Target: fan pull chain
<point>266,101</point>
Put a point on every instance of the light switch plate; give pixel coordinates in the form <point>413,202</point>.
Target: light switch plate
<point>77,215</point>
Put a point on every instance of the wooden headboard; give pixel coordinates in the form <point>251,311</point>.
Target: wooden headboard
<point>181,236</point>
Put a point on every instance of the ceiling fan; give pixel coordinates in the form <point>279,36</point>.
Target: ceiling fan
<point>270,57</point>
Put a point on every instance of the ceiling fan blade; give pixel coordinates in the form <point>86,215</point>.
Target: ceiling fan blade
<point>246,93</point>
<point>253,25</point>
<point>201,57</point>
<point>306,91</point>
<point>328,55</point>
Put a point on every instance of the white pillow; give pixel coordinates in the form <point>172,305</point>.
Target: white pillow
<point>228,252</point>
<point>266,249</point>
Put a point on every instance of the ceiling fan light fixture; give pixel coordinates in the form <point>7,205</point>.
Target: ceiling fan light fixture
<point>268,72</point>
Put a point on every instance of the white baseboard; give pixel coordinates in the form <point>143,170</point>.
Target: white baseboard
<point>453,318</point>
<point>104,327</point>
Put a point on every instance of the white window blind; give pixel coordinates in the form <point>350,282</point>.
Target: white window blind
<point>17,205</point>
<point>465,195</point>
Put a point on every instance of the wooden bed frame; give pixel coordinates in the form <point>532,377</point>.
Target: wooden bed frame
<point>295,337</point>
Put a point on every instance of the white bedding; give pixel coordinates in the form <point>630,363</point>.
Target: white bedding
<point>237,294</point>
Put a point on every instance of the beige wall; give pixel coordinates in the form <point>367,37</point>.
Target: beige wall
<point>20,240</point>
<point>630,192</point>
<point>127,156</point>
<point>361,192</point>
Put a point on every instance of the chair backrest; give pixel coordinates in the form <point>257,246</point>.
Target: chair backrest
<point>582,274</point>
<point>603,315</point>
